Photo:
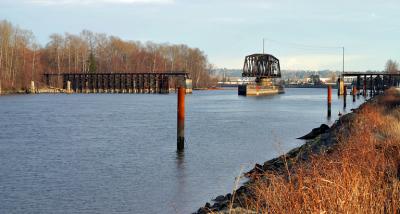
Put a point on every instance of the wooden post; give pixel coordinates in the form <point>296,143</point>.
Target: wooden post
<point>365,86</point>
<point>329,100</point>
<point>354,92</point>
<point>181,119</point>
<point>341,85</point>
<point>86,85</point>
<point>371,86</point>
<point>344,96</point>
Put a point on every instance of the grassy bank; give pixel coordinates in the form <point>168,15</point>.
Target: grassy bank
<point>352,168</point>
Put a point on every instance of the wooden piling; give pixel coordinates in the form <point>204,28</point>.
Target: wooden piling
<point>86,86</point>
<point>354,92</point>
<point>344,95</point>
<point>371,86</point>
<point>181,119</point>
<point>341,86</point>
<point>329,100</point>
<point>365,87</point>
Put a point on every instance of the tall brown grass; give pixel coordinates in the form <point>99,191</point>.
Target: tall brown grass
<point>361,175</point>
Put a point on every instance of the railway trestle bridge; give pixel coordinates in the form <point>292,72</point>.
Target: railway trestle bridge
<point>118,82</point>
<point>374,82</point>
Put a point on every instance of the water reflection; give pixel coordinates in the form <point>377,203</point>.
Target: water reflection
<point>180,195</point>
<point>180,160</point>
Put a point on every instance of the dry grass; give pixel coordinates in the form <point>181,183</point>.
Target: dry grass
<point>360,176</point>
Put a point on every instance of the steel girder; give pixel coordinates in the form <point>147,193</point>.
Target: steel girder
<point>261,66</point>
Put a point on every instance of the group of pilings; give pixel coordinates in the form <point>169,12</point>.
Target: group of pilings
<point>364,84</point>
<point>374,83</point>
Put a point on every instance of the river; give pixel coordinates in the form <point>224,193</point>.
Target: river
<point>116,153</point>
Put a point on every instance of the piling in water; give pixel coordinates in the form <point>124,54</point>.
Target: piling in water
<point>371,86</point>
<point>329,100</point>
<point>69,87</point>
<point>181,119</point>
<point>365,87</point>
<point>344,96</point>
<point>32,89</point>
<point>354,92</point>
<point>86,87</point>
<point>341,86</point>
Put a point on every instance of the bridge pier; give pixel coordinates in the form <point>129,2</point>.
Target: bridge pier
<point>69,87</point>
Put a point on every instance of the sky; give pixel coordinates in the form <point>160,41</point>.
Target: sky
<point>303,34</point>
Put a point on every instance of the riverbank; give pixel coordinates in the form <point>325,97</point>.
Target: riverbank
<point>52,90</point>
<point>353,167</point>
<point>36,91</point>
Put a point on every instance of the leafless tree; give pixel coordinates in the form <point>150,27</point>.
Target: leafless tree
<point>392,66</point>
<point>22,60</point>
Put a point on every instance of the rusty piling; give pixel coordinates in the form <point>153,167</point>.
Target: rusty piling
<point>354,92</point>
<point>181,119</point>
<point>329,100</point>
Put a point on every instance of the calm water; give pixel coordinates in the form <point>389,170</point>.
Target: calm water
<point>116,153</point>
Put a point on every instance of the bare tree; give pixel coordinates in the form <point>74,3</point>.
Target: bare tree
<point>392,66</point>
<point>21,59</point>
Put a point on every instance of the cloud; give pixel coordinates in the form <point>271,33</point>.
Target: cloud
<point>88,2</point>
<point>316,61</point>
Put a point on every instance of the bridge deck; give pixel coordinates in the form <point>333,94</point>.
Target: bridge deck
<point>123,73</point>
<point>368,74</point>
<point>375,82</point>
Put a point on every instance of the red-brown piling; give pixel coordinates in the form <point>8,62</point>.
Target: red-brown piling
<point>329,100</point>
<point>181,119</point>
<point>354,92</point>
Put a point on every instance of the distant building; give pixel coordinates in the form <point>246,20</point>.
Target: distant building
<point>314,79</point>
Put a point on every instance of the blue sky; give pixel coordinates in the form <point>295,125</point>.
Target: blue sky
<point>227,30</point>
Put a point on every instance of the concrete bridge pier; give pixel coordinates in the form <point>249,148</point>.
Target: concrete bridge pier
<point>69,91</point>
<point>32,89</point>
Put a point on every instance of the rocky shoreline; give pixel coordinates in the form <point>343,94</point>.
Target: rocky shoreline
<point>320,140</point>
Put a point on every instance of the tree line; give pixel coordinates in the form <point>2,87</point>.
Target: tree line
<point>22,59</point>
